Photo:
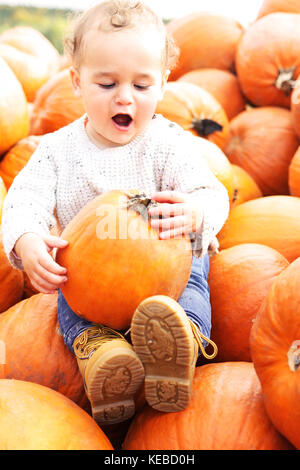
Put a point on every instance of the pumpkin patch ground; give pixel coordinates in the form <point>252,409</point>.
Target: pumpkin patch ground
<point>237,88</point>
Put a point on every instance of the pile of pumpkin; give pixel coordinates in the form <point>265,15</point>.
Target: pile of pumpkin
<point>239,88</point>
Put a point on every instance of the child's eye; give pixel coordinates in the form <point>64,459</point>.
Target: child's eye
<point>110,85</point>
<point>141,87</point>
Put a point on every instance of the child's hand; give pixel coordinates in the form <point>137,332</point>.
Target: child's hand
<point>179,213</point>
<point>44,273</point>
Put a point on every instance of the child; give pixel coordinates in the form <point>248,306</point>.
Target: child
<point>121,59</point>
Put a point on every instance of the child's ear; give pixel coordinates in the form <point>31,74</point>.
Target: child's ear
<point>75,79</point>
<point>163,83</point>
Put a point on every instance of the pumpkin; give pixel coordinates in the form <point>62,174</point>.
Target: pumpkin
<point>222,84</point>
<point>275,350</point>
<point>263,142</point>
<point>11,280</point>
<point>14,117</point>
<point>34,417</point>
<point>295,107</point>
<point>30,55</point>
<point>55,105</point>
<point>271,220</point>
<point>226,412</point>
<point>245,187</point>
<point>35,349</point>
<point>195,110</point>
<point>114,260</point>
<point>17,157</point>
<point>205,40</point>
<point>239,280</point>
<point>284,6</point>
<point>268,59</point>
<point>294,174</point>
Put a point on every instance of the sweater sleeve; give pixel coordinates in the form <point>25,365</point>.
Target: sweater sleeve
<point>189,173</point>
<point>30,202</point>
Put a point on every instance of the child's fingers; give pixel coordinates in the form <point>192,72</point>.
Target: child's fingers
<point>42,286</point>
<point>168,196</point>
<point>172,233</point>
<point>48,263</point>
<point>168,210</point>
<point>55,242</point>
<point>180,222</point>
<point>55,279</point>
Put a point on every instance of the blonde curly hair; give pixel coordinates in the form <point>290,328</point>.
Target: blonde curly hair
<point>115,15</point>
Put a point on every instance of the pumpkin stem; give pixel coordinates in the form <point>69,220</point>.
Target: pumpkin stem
<point>205,127</point>
<point>294,356</point>
<point>285,80</point>
<point>139,202</point>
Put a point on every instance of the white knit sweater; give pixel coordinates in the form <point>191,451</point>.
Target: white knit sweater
<point>67,170</point>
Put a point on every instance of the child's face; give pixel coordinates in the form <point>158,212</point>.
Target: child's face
<point>120,81</point>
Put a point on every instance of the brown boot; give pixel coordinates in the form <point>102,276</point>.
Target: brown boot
<point>167,343</point>
<point>111,371</point>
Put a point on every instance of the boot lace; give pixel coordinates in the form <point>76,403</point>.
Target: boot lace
<point>199,337</point>
<point>92,338</point>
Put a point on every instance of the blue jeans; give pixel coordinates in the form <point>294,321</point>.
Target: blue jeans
<point>195,301</point>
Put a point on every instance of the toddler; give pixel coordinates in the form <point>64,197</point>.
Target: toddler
<point>121,58</point>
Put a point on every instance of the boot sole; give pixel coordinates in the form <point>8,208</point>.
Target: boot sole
<point>114,380</point>
<point>162,338</point>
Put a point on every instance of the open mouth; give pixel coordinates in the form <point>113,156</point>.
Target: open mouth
<point>122,120</point>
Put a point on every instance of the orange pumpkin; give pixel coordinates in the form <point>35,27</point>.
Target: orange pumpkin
<point>271,220</point>
<point>30,55</point>
<point>275,349</point>
<point>35,350</point>
<point>11,280</point>
<point>34,417</point>
<point>245,187</point>
<point>195,110</point>
<point>222,84</point>
<point>284,6</point>
<point>268,59</point>
<point>17,157</point>
<point>14,117</point>
<point>294,174</point>
<point>205,40</point>
<point>239,280</point>
<point>55,105</point>
<point>263,142</point>
<point>114,261</point>
<point>226,412</point>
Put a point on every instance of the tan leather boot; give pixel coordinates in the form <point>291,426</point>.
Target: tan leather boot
<point>111,371</point>
<point>167,343</point>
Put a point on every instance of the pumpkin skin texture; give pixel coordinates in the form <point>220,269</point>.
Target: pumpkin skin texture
<point>245,188</point>
<point>271,220</point>
<point>205,41</point>
<point>275,348</point>
<point>191,107</point>
<point>55,105</point>
<point>114,261</point>
<point>14,120</point>
<point>239,280</point>
<point>226,396</point>
<point>17,157</point>
<point>35,349</point>
<point>12,281</point>
<point>268,59</point>
<point>273,6</point>
<point>263,142</point>
<point>34,417</point>
<point>294,174</point>
<point>222,84</point>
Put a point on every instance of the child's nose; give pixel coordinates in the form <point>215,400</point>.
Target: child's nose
<point>124,95</point>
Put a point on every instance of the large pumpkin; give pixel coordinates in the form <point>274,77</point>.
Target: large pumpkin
<point>239,280</point>
<point>284,6</point>
<point>222,84</point>
<point>263,142</point>
<point>55,105</point>
<point>11,280</point>
<point>195,110</point>
<point>34,417</point>
<point>245,187</point>
<point>114,260</point>
<point>205,40</point>
<point>14,117</point>
<point>30,55</point>
<point>275,349</point>
<point>268,59</point>
<point>35,350</point>
<point>17,157</point>
<point>272,220</point>
<point>226,412</point>
<point>294,174</point>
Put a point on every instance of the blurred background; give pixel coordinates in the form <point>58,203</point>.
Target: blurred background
<point>50,17</point>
